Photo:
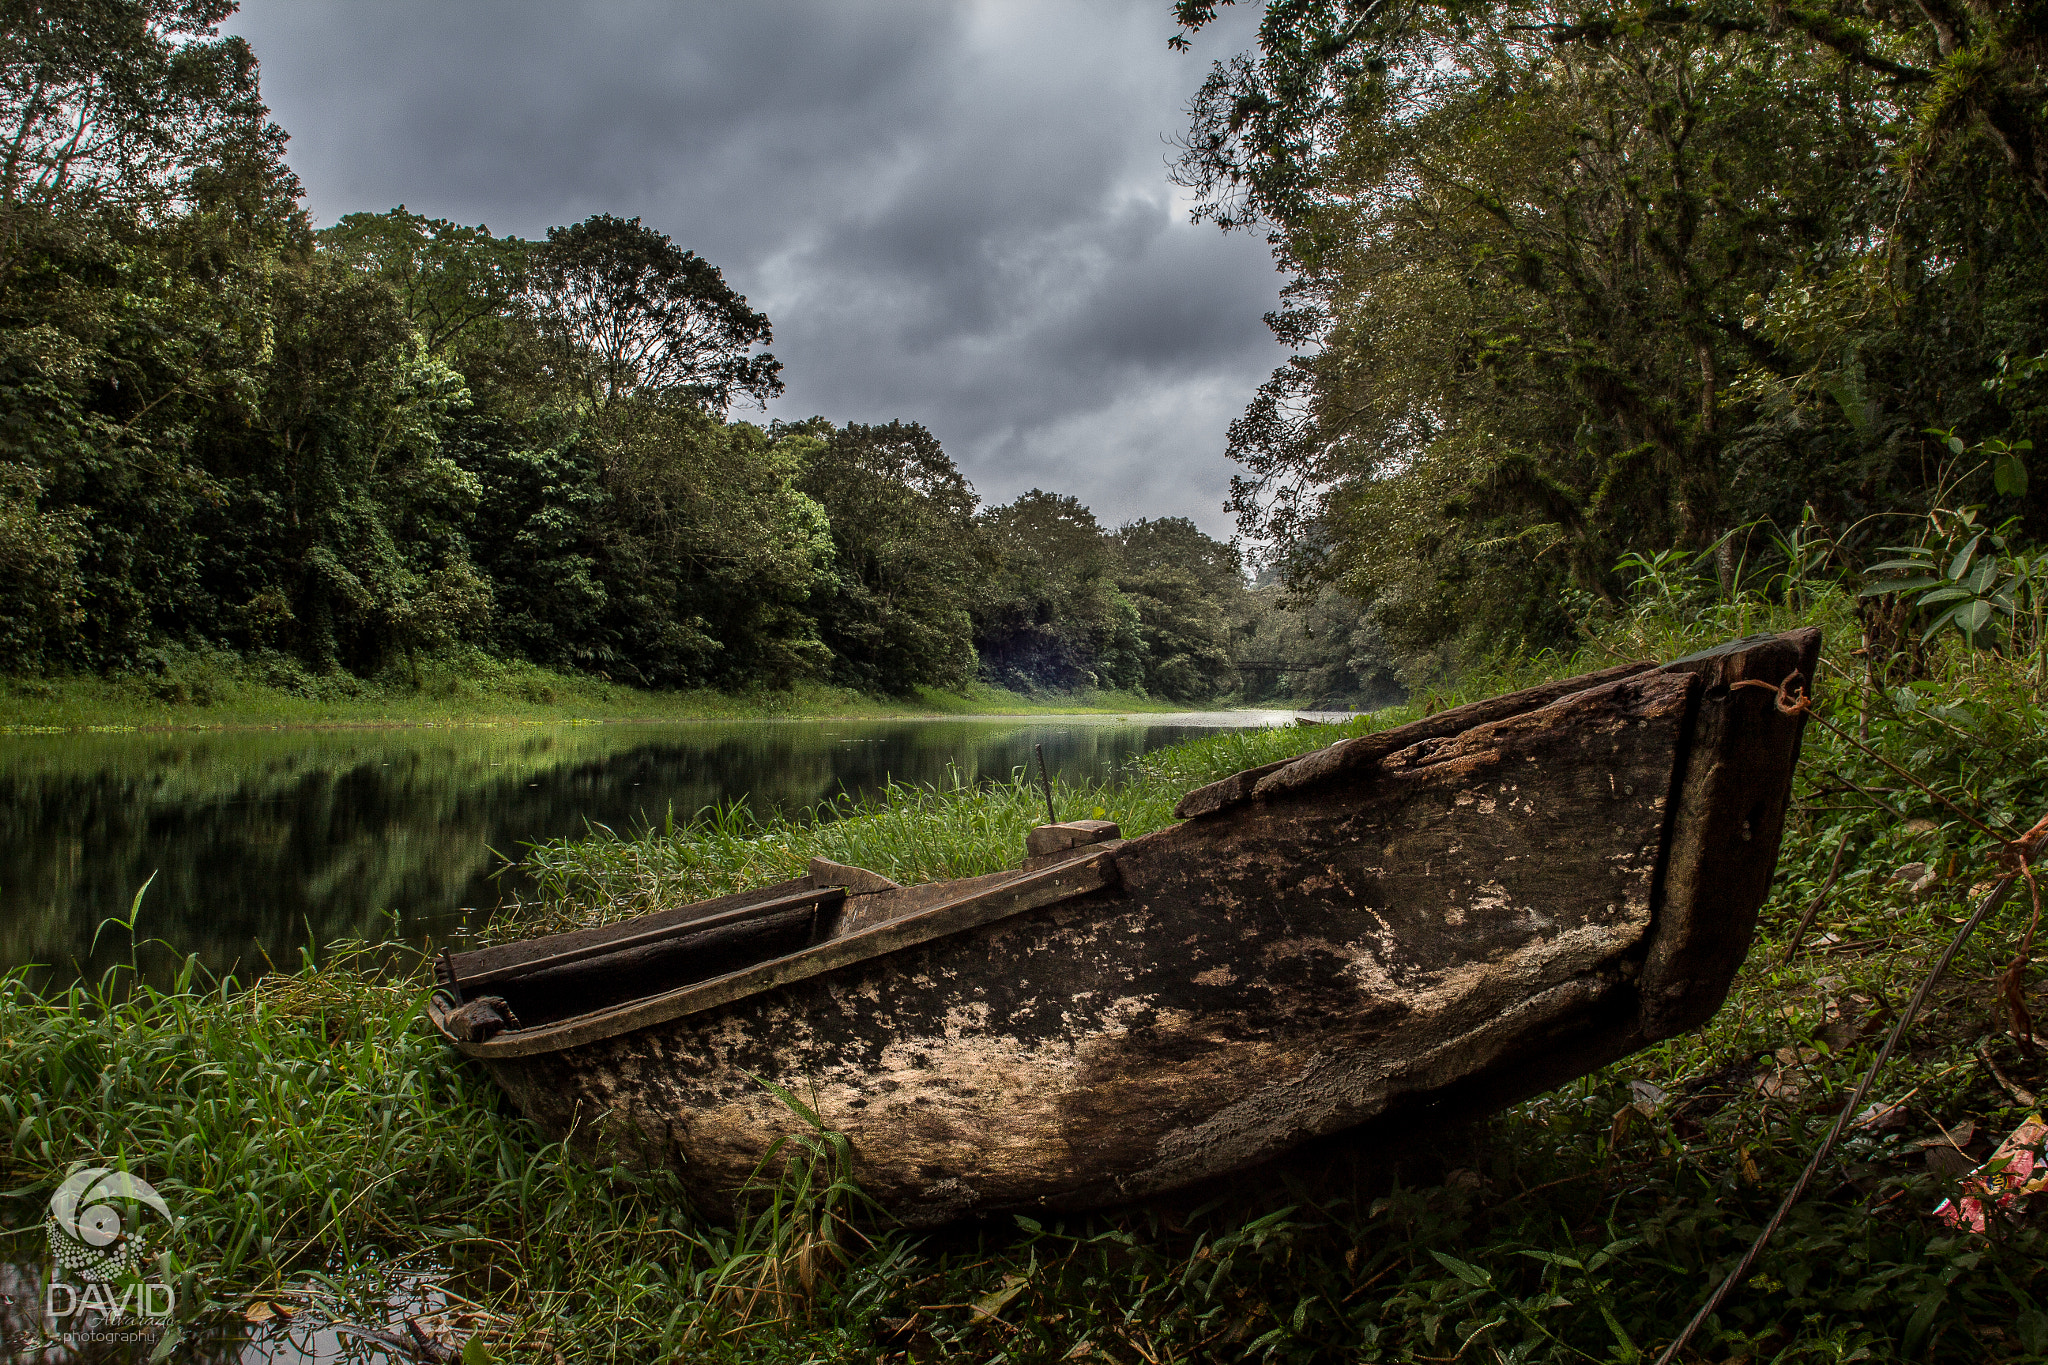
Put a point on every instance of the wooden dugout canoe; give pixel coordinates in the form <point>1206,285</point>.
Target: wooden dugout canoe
<point>1437,919</point>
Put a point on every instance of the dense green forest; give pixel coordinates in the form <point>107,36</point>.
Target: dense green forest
<point>327,452</point>
<point>1570,287</point>
<point>1573,284</point>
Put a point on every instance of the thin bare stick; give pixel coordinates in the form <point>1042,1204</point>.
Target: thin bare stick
<point>1051,816</point>
<point>1813,906</point>
<point>1800,703</point>
<point>2019,1092</point>
<point>2000,835</point>
<point>1882,804</point>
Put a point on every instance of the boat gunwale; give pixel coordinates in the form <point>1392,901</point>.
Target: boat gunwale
<point>987,905</point>
<point>814,896</point>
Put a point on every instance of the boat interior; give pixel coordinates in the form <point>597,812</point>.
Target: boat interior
<point>543,981</point>
<point>546,980</point>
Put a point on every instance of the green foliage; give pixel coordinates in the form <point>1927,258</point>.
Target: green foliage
<point>401,434</point>
<point>1188,591</point>
<point>275,1105</point>
<point>39,578</point>
<point>1325,651</point>
<point>538,534</point>
<point>1050,614</point>
<point>707,552</point>
<point>1153,606</point>
<point>637,314</point>
<point>1587,1223</point>
<point>1965,571</point>
<point>1569,286</point>
<point>895,611</point>
<point>346,496</point>
<point>138,105</point>
<point>458,285</point>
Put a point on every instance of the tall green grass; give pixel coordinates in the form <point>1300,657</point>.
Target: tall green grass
<point>909,833</point>
<point>321,1145</point>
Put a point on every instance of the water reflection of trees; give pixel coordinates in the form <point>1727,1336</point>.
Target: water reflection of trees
<point>262,842</point>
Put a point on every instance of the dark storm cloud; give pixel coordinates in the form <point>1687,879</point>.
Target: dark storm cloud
<point>954,213</point>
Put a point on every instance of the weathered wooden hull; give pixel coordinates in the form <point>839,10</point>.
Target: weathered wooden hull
<point>1452,915</point>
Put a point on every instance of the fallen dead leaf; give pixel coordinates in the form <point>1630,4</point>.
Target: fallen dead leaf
<point>988,1305</point>
<point>1790,1080</point>
<point>1948,1163</point>
<point>1786,1083</point>
<point>1916,878</point>
<point>1957,1137</point>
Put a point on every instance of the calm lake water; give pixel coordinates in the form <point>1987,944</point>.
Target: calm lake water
<point>263,841</point>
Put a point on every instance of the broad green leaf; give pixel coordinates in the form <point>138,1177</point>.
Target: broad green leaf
<point>789,1101</point>
<point>1612,1250</point>
<point>1554,1259</point>
<point>2032,1326</point>
<point>1961,563</point>
<point>2009,475</point>
<point>1923,1318</point>
<point>1629,1350</point>
<point>1910,584</point>
<point>1469,1273</point>
<point>993,1302</point>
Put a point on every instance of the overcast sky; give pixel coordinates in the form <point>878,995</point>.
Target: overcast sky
<point>953,213</point>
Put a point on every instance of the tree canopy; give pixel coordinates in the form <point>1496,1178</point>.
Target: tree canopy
<point>332,450</point>
<point>641,316</point>
<point>896,610</point>
<point>1569,282</point>
<point>454,282</point>
<point>129,103</point>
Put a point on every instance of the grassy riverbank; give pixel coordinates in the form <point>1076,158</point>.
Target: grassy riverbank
<point>326,1154</point>
<point>467,687</point>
